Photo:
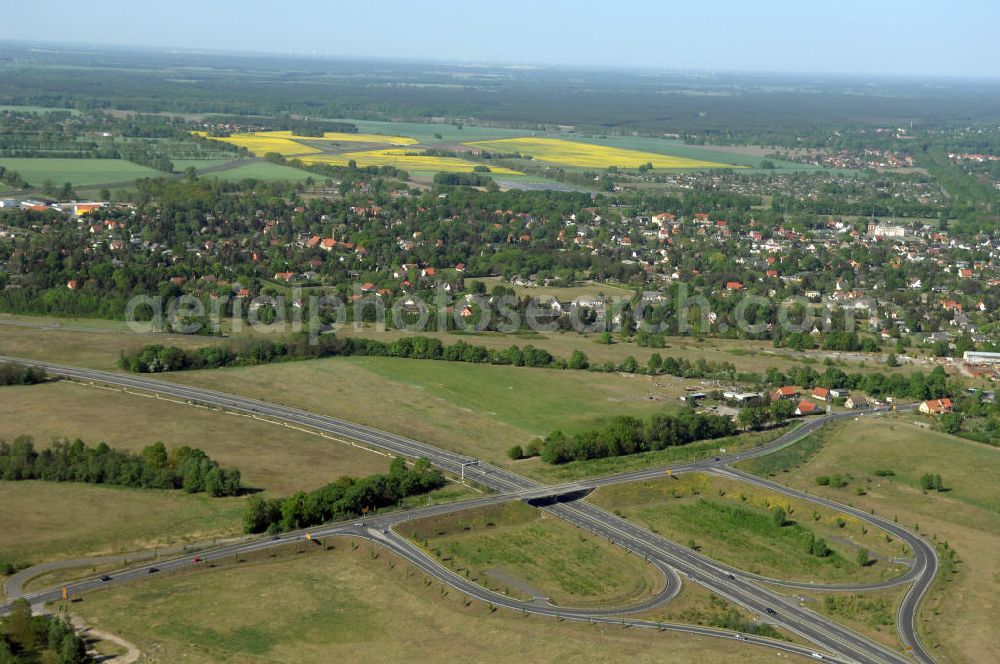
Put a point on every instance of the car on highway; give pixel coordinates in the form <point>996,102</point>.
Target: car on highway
<point>770,611</point>
<point>152,570</point>
<point>739,637</point>
<point>105,578</point>
<point>731,577</point>
<point>197,559</point>
<point>816,655</point>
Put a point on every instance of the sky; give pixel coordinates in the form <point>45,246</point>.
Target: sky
<point>888,37</point>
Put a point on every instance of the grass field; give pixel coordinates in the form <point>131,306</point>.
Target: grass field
<point>872,613</point>
<point>97,347</point>
<point>856,450</point>
<point>276,459</point>
<point>79,172</point>
<point>479,410</point>
<point>47,521</point>
<point>263,170</point>
<point>518,550</point>
<point>590,155</point>
<point>180,165</point>
<point>785,459</point>
<point>346,605</point>
<point>956,618</point>
<point>733,522</point>
<point>405,159</point>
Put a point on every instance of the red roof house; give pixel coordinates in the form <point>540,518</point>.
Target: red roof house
<point>786,392</point>
<point>806,408</point>
<point>821,394</point>
<point>936,406</point>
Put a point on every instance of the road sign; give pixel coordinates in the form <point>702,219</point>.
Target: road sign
<point>65,593</point>
<point>669,472</point>
<point>309,536</point>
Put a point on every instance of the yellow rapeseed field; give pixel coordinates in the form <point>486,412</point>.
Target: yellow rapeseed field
<point>586,155</point>
<point>261,144</point>
<point>403,159</point>
<point>338,136</point>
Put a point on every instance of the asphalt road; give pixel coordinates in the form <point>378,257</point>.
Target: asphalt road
<point>747,592</point>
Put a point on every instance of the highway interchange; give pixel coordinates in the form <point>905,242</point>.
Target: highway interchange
<point>835,642</point>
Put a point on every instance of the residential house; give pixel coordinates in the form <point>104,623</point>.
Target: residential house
<point>936,406</point>
<point>785,392</point>
<point>821,394</point>
<point>806,407</point>
<point>854,403</point>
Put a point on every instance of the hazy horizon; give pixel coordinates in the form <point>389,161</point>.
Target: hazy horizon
<point>891,39</point>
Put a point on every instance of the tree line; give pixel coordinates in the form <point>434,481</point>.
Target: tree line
<point>156,358</point>
<point>476,179</point>
<point>15,373</point>
<point>625,435</point>
<point>184,467</point>
<point>346,498</point>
